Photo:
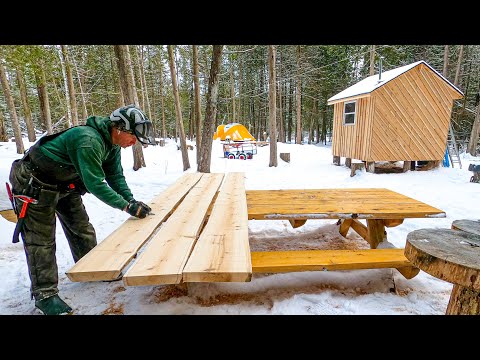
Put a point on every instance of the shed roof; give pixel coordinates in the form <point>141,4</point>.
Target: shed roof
<point>371,83</point>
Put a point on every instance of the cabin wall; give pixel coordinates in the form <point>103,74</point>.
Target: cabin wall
<point>353,141</point>
<point>411,117</point>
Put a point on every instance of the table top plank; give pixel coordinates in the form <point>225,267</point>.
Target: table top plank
<point>222,252</point>
<point>365,203</point>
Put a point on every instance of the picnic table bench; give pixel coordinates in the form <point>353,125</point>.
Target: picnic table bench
<point>199,233</point>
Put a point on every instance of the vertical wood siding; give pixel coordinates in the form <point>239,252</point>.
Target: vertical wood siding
<point>352,140</point>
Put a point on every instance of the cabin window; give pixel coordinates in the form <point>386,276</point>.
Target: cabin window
<point>349,113</point>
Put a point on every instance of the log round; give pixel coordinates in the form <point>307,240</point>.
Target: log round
<point>450,255</point>
<point>471,226</point>
<point>453,256</point>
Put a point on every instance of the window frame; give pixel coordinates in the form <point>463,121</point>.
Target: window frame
<point>354,113</point>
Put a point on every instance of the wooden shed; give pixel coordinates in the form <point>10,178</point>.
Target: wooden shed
<point>398,115</point>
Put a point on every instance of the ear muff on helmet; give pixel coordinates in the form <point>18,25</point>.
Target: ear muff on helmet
<point>131,119</point>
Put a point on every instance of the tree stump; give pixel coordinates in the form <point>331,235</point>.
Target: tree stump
<point>285,157</point>
<point>161,142</point>
<point>407,165</point>
<point>453,256</point>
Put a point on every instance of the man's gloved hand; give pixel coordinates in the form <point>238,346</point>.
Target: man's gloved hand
<point>138,208</point>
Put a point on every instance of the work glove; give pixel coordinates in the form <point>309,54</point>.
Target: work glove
<point>138,209</point>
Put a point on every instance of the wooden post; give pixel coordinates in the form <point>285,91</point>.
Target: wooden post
<point>336,160</point>
<point>371,166</point>
<point>348,162</point>
<point>356,166</point>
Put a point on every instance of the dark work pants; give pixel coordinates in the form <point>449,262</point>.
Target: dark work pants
<point>39,232</point>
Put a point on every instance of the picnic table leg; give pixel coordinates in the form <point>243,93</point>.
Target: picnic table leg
<point>376,232</point>
<point>344,226</point>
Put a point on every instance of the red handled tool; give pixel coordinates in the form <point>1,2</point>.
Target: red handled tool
<point>21,217</point>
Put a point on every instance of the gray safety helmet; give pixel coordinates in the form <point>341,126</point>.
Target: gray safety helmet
<point>132,120</point>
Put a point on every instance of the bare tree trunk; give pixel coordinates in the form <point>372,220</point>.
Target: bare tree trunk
<point>136,67</point>
<point>11,109</point>
<point>281,130</point>
<point>198,103</point>
<point>372,60</point>
<point>299,100</point>
<point>26,107</point>
<point>211,110</point>
<point>240,79</point>
<point>272,100</point>
<point>474,135</point>
<point>144,83</point>
<point>71,87</point>
<point>80,84</point>
<point>232,90</point>
<point>43,98</point>
<point>178,109</point>
<point>127,82</point>
<point>3,132</point>
<point>445,62</point>
<point>459,66</point>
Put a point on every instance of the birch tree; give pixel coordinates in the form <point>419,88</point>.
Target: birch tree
<point>178,109</point>
<point>211,110</point>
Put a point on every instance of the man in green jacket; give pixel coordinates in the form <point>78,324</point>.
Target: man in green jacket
<point>56,171</point>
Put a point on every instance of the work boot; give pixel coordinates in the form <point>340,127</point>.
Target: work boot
<point>53,305</point>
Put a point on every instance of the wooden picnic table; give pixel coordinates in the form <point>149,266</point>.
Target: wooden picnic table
<point>379,207</point>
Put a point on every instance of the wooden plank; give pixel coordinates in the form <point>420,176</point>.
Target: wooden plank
<point>321,260</point>
<point>335,204</point>
<point>107,260</point>
<point>222,252</point>
<point>163,259</point>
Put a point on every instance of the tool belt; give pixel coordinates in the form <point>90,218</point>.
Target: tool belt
<point>48,174</point>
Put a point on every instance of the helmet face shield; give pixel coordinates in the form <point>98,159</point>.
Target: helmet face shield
<point>143,132</point>
<point>131,119</point>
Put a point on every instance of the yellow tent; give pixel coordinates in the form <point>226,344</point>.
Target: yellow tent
<point>235,132</point>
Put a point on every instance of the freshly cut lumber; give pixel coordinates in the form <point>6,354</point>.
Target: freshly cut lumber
<point>222,252</point>
<point>315,260</point>
<point>164,257</point>
<point>106,260</point>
